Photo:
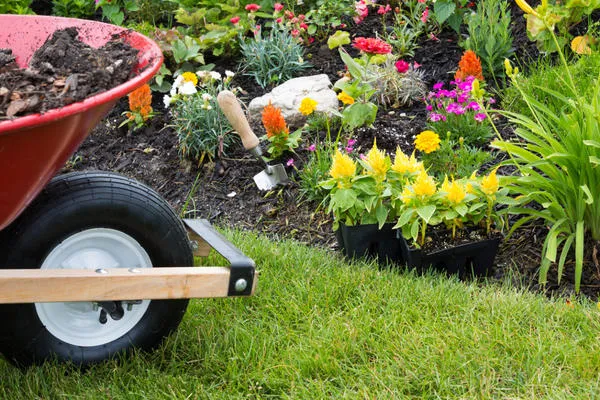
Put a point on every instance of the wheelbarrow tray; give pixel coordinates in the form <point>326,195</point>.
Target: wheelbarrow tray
<point>35,147</point>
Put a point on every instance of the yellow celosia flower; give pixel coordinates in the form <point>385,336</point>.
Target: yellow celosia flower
<point>424,185</point>
<point>427,141</point>
<point>345,98</point>
<point>190,77</point>
<point>456,192</point>
<point>377,161</point>
<point>403,164</point>
<point>307,106</point>
<point>406,195</point>
<point>342,167</point>
<point>490,183</point>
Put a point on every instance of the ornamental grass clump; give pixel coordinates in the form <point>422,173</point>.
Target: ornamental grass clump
<point>557,157</point>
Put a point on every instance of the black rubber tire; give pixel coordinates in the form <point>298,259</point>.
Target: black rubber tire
<point>72,203</point>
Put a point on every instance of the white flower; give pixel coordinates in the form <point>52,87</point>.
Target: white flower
<point>206,106</point>
<point>229,74</point>
<point>215,75</point>
<point>206,97</point>
<point>187,88</point>
<point>167,100</point>
<point>202,74</point>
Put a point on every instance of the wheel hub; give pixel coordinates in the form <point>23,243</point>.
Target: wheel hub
<point>88,323</point>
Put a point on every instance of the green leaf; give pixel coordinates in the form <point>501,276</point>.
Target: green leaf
<point>354,68</point>
<point>443,10</point>
<point>426,212</point>
<point>359,114</point>
<point>339,38</point>
<point>381,213</point>
<point>462,209</point>
<point>344,199</point>
<point>312,29</point>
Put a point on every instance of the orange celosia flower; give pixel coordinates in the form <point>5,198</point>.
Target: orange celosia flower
<point>469,65</point>
<point>273,121</point>
<point>140,101</point>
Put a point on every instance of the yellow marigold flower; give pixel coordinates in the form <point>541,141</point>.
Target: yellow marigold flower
<point>424,185</point>
<point>377,161</point>
<point>307,106</point>
<point>403,164</point>
<point>455,192</point>
<point>490,183</point>
<point>427,141</point>
<point>190,77</point>
<point>342,167</point>
<point>345,98</point>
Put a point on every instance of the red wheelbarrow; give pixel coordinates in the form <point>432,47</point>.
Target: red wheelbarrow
<point>92,264</point>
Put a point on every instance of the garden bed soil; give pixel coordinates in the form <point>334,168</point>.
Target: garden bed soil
<point>224,192</point>
<point>62,71</point>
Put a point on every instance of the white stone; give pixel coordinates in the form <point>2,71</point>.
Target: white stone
<point>289,95</point>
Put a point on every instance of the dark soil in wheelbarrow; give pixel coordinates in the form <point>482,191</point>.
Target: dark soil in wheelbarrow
<point>63,71</point>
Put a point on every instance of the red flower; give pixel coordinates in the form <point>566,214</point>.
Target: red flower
<point>288,14</point>
<point>234,20</point>
<point>303,26</point>
<point>402,66</point>
<point>252,7</point>
<point>278,7</point>
<point>372,45</point>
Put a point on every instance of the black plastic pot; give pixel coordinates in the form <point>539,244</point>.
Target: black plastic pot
<point>466,260</point>
<point>369,241</point>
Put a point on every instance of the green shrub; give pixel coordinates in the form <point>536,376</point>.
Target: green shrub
<point>273,59</point>
<point>73,8</point>
<point>15,7</point>
<point>544,74</point>
<point>490,37</point>
<point>454,159</point>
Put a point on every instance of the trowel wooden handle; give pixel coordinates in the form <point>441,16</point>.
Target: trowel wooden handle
<point>233,111</point>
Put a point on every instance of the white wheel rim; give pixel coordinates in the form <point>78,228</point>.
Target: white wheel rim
<point>78,323</point>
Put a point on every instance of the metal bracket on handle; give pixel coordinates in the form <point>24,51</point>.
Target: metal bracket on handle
<point>241,280</point>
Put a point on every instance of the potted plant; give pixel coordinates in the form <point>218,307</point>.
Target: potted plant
<point>452,227</point>
<point>360,197</point>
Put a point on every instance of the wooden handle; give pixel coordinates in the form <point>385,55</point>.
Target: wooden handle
<point>233,111</point>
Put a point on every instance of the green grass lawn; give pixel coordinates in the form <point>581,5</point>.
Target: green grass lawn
<point>319,327</point>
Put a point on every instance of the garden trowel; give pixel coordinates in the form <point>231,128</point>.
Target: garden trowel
<point>272,175</point>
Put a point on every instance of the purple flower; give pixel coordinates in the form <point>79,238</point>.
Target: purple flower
<point>479,117</point>
<point>473,106</point>
<point>435,117</point>
<point>312,147</point>
<point>492,101</point>
<point>351,142</point>
<point>438,86</point>
<point>349,149</point>
<point>455,108</point>
<point>463,97</point>
<point>465,86</point>
<point>290,162</point>
<point>363,157</point>
<point>429,107</point>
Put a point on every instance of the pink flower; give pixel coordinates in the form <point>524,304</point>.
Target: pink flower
<point>372,45</point>
<point>433,37</point>
<point>294,32</point>
<point>384,10</point>
<point>294,20</point>
<point>278,7</point>
<point>349,149</point>
<point>425,15</point>
<point>290,162</point>
<point>301,17</point>
<point>422,1</point>
<point>303,26</point>
<point>492,101</point>
<point>361,10</point>
<point>435,117</point>
<point>438,86</point>
<point>351,142</point>
<point>462,98</point>
<point>473,106</point>
<point>402,66</point>
<point>252,7</point>
<point>429,107</point>
<point>288,14</point>
<point>465,86</point>
<point>311,40</point>
<point>342,26</point>
<point>416,65</point>
<point>234,20</point>
<point>479,117</point>
<point>312,147</point>
<point>278,20</point>
<point>362,157</point>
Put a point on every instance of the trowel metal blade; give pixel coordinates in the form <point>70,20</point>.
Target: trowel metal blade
<point>271,177</point>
